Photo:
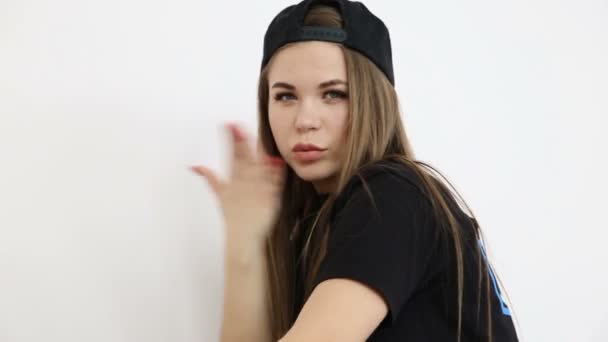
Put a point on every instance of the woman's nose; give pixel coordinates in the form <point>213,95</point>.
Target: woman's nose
<point>307,117</point>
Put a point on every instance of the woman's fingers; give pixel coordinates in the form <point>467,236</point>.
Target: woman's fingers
<point>241,151</point>
<point>210,176</point>
<point>275,171</point>
<point>253,169</point>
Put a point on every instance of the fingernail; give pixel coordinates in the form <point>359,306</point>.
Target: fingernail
<point>236,132</point>
<point>276,161</point>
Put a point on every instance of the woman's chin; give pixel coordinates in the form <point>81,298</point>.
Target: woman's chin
<point>312,172</point>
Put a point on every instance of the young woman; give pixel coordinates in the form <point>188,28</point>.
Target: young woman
<point>338,233</point>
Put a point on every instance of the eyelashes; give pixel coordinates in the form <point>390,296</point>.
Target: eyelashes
<point>283,96</point>
<point>330,94</point>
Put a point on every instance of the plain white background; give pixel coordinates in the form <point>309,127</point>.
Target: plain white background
<point>106,236</point>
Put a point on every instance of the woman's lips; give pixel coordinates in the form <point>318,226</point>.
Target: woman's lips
<point>309,156</point>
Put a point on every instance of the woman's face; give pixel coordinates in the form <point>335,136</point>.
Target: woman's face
<point>308,110</point>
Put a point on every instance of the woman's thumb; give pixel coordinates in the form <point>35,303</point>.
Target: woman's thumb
<point>209,175</point>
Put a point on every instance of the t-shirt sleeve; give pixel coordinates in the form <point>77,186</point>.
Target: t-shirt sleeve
<point>385,244</point>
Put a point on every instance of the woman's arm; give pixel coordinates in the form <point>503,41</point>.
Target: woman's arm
<point>245,309</point>
<point>250,202</point>
<point>341,310</point>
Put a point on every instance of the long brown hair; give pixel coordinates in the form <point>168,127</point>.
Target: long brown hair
<point>375,132</point>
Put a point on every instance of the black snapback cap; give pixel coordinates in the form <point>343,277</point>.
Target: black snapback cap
<point>362,31</point>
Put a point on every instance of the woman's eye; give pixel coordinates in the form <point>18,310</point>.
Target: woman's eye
<point>284,97</point>
<point>335,94</point>
<point>330,95</point>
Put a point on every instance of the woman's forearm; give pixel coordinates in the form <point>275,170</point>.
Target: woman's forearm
<point>250,203</point>
<point>245,310</point>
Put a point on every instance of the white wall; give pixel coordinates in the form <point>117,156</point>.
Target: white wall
<point>105,235</point>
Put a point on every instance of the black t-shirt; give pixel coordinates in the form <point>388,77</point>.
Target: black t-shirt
<point>395,246</point>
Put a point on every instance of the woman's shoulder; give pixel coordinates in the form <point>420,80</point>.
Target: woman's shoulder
<point>399,186</point>
<point>386,188</point>
<point>387,178</point>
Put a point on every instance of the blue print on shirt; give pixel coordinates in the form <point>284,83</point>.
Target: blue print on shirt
<point>503,304</point>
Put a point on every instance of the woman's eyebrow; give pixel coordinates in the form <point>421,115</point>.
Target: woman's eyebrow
<point>283,85</point>
<point>321,86</point>
<point>332,83</point>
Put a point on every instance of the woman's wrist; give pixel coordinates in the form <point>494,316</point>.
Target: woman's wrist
<point>242,251</point>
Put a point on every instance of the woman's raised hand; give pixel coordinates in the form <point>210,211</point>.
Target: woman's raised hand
<point>251,198</point>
